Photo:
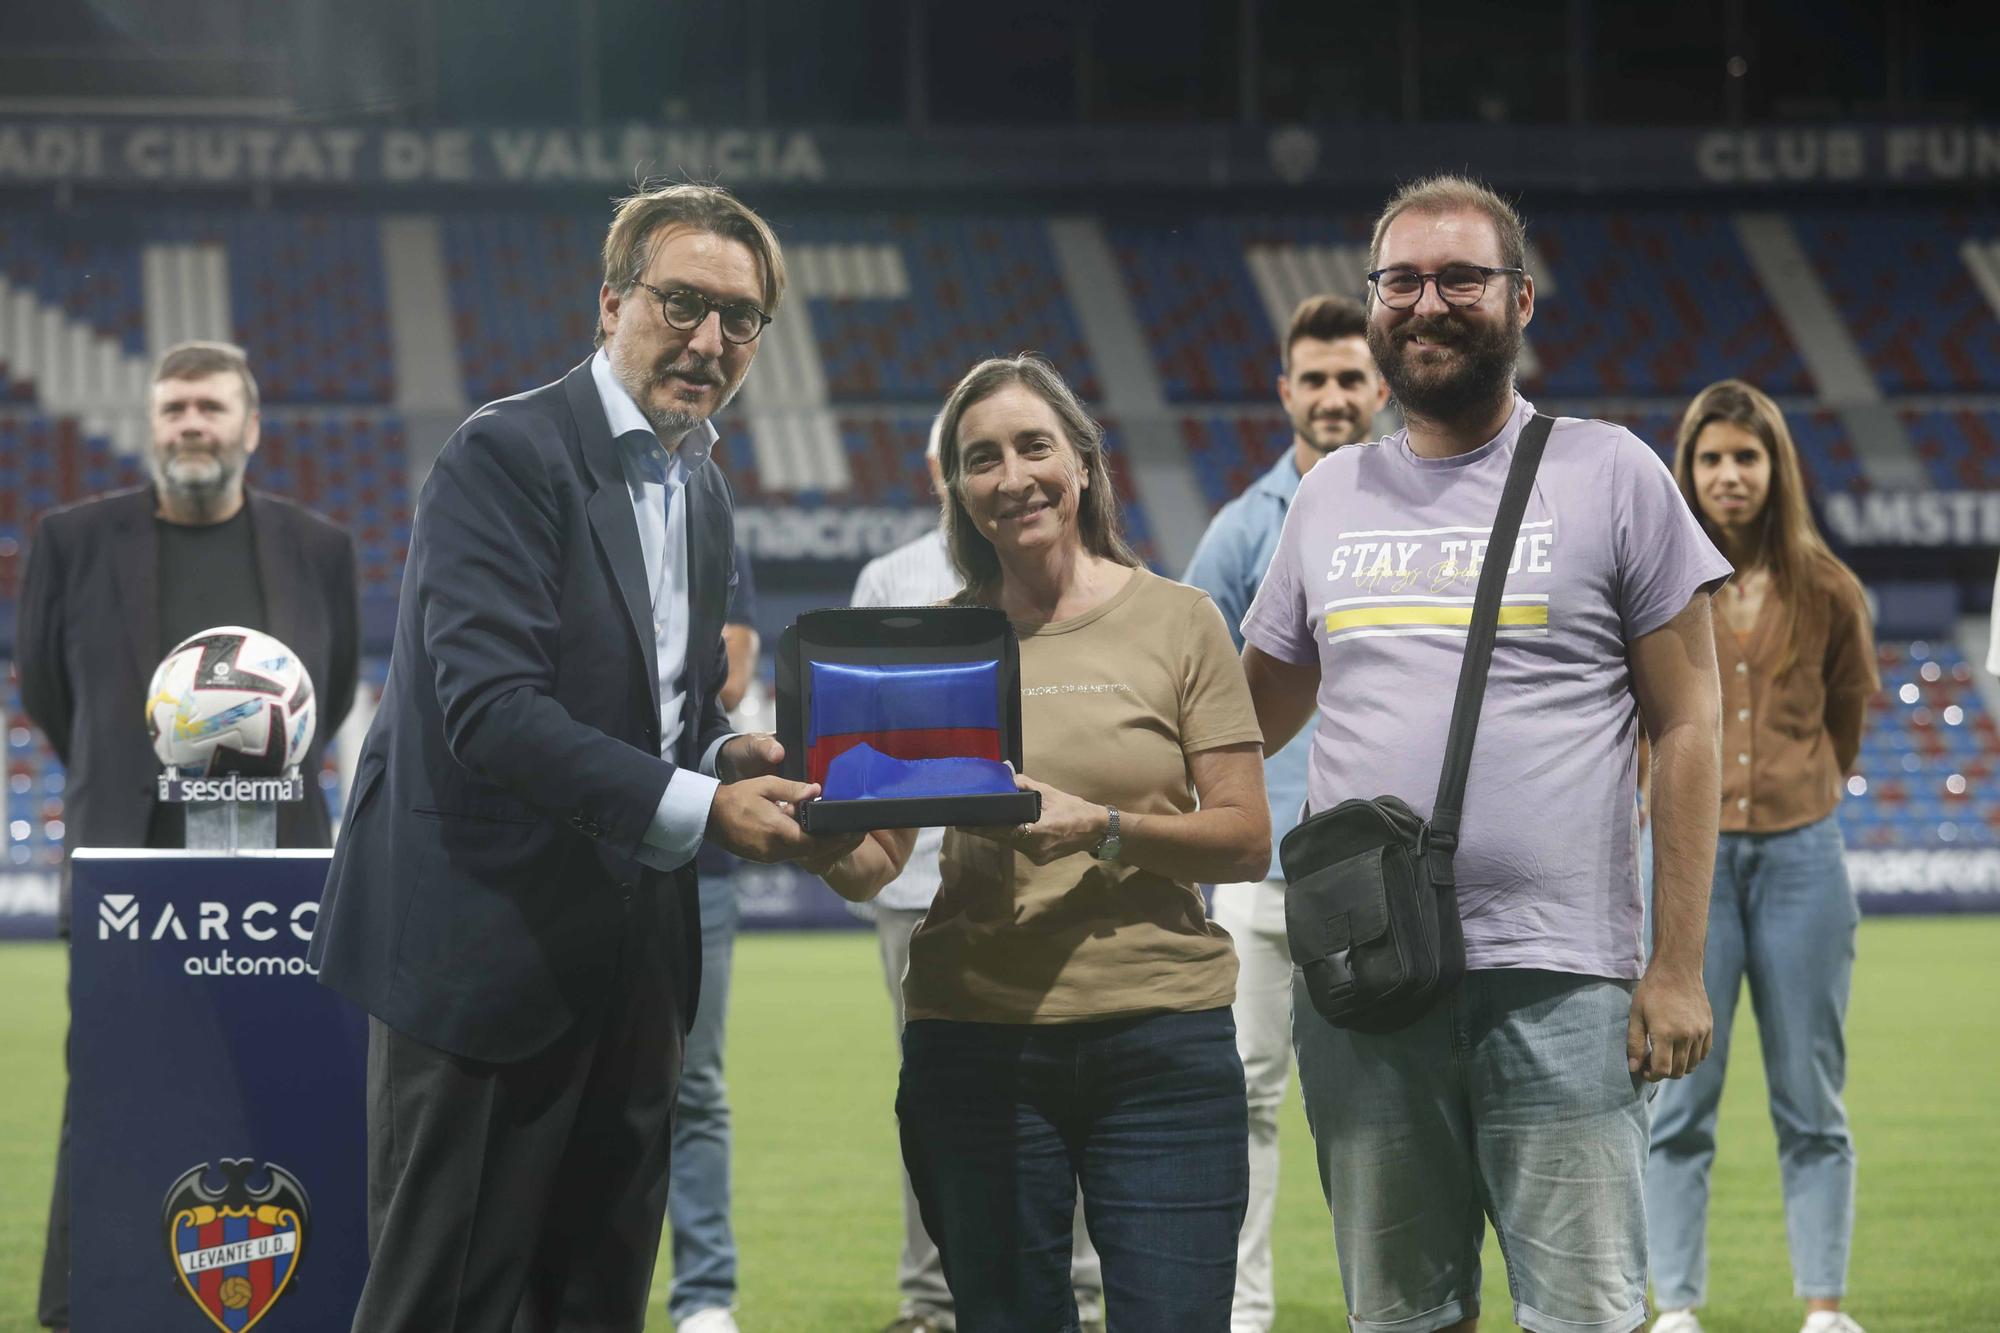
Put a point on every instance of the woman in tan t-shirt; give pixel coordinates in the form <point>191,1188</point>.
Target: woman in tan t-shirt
<point>1068,1000</point>
<point>1798,665</point>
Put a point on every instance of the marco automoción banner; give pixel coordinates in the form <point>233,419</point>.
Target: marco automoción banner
<point>218,1172</point>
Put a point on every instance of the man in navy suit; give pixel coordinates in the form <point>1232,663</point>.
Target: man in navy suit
<point>512,897</point>
<point>115,581</point>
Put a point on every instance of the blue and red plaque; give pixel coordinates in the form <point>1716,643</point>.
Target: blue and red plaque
<point>906,717</point>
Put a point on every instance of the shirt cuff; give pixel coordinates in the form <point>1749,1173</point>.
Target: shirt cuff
<point>714,752</point>
<point>675,834</point>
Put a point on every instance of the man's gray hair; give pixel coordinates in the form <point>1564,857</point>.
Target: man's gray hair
<point>199,360</point>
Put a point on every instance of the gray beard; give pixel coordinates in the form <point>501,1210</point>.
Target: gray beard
<point>671,424</point>
<point>197,486</point>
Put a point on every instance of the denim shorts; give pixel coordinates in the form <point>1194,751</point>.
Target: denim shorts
<point>1509,1100</point>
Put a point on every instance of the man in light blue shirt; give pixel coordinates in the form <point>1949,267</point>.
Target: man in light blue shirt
<point>513,898</point>
<point>1331,390</point>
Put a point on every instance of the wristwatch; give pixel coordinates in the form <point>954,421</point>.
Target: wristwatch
<point>1108,846</point>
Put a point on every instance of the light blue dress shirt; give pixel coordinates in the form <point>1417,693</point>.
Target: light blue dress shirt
<point>1229,566</point>
<point>657,477</point>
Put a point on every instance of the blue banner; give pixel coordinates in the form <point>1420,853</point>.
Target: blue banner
<point>133,152</point>
<point>218,1138</point>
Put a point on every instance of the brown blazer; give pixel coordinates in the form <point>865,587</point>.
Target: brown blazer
<point>1786,738</point>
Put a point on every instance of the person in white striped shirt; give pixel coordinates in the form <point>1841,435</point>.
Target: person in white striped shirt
<point>919,573</point>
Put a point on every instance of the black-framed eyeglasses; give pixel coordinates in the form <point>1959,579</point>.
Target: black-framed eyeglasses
<point>1457,284</point>
<point>685,310</point>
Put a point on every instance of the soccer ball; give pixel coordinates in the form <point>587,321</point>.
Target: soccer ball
<point>230,700</point>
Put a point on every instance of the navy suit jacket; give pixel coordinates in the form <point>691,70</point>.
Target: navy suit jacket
<point>484,880</point>
<point>88,640</point>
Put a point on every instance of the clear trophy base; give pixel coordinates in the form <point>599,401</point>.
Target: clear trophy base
<point>233,812</point>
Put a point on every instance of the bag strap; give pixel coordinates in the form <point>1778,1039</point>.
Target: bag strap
<point>1445,814</point>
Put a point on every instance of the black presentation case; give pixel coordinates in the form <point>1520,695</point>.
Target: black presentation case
<point>887,636</point>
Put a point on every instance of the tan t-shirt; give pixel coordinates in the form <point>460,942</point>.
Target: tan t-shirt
<point>1112,703</point>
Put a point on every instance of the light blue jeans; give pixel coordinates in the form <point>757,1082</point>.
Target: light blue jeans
<point>1510,1098</point>
<point>698,1188</point>
<point>1782,916</point>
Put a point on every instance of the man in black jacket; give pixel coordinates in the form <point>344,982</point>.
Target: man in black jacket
<point>115,582</point>
<point>513,896</point>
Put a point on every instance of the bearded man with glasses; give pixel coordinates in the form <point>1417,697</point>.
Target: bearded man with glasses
<point>513,897</point>
<point>1521,1095</point>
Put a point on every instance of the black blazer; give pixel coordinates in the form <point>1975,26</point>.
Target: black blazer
<point>485,878</point>
<point>87,642</point>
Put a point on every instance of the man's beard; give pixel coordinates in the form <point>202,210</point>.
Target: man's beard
<point>1480,380</point>
<point>1353,428</point>
<point>669,423</point>
<point>199,481</point>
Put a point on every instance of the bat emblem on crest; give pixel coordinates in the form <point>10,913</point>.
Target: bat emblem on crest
<point>236,1248</point>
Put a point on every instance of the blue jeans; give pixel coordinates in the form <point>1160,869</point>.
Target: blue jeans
<point>1511,1097</point>
<point>1782,916</point>
<point>698,1189</point>
<point>1001,1124</point>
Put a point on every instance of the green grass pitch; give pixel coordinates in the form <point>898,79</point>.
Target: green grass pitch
<point>812,1072</point>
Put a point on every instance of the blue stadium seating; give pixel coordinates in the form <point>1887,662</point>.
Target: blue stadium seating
<point>1211,337</point>
<point>522,289</point>
<point>1961,449</point>
<point>1138,527</point>
<point>308,298</point>
<point>979,287</point>
<point>1928,756</point>
<point>46,462</point>
<point>34,800</point>
<point>1230,451</point>
<point>1906,295</point>
<point>1653,303</point>
<point>352,467</point>
<point>89,267</point>
<point>523,293</point>
<point>306,291</point>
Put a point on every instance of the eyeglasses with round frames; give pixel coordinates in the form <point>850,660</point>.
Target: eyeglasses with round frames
<point>1457,284</point>
<point>685,310</point>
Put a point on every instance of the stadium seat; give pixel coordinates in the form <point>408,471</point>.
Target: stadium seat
<point>1926,757</point>
<point>1904,291</point>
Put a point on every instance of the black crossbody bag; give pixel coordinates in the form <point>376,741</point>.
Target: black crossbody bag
<point>1371,908</point>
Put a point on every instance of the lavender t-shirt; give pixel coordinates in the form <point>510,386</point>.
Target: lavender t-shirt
<point>1373,580</point>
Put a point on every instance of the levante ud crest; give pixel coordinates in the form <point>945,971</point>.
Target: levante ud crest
<point>236,1248</point>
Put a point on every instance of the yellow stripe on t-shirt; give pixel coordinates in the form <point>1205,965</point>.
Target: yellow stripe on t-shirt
<point>1362,616</point>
